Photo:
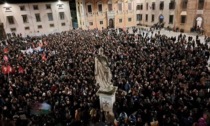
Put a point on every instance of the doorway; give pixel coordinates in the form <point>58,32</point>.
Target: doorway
<point>161,18</point>
<point>198,22</point>
<point>111,23</point>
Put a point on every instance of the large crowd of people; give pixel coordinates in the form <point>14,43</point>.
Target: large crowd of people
<point>161,80</point>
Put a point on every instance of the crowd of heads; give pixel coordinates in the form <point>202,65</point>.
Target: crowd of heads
<point>159,78</point>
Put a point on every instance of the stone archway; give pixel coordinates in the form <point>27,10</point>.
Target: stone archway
<point>161,18</point>
<point>111,23</point>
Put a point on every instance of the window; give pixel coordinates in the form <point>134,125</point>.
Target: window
<point>78,10</point>
<point>171,19</point>
<point>138,7</point>
<point>146,17</point>
<point>48,6</point>
<point>161,5</point>
<point>36,7</point>
<point>13,29</point>
<point>153,18</point>
<point>110,7</point>
<point>141,6</point>
<point>62,16</point>
<point>60,6</point>
<point>101,22</point>
<point>22,8</point>
<point>50,16</point>
<point>200,4</point>
<point>39,26</point>
<point>129,19</point>
<point>172,5</point>
<point>100,7</point>
<point>7,9</point>
<point>90,23</point>
<point>138,17</point>
<point>51,25</point>
<point>25,18</point>
<point>81,8</point>
<point>120,6</point>
<point>10,19</point>
<point>63,24</point>
<point>120,20</point>
<point>147,5</point>
<point>38,19</point>
<point>89,9</point>
<point>129,6</point>
<point>184,4</point>
<point>153,5</point>
<point>183,19</point>
<point>27,28</point>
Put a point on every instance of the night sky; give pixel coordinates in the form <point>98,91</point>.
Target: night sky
<point>27,1</point>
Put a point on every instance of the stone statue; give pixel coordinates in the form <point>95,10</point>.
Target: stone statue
<point>103,74</point>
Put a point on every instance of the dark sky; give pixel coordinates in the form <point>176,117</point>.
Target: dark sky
<point>27,1</point>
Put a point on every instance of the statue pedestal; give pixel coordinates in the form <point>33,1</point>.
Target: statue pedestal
<point>107,100</point>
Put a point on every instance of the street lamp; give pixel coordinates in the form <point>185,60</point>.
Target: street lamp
<point>6,4</point>
<point>59,1</point>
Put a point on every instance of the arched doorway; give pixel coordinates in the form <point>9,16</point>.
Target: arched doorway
<point>198,22</point>
<point>2,31</point>
<point>111,23</point>
<point>161,18</point>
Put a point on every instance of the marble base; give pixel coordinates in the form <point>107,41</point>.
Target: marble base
<point>107,100</point>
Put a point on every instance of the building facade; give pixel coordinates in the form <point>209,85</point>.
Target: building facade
<point>193,14</point>
<point>157,11</point>
<point>36,18</point>
<point>124,13</point>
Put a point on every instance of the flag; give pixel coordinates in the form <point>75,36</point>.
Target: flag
<point>44,57</point>
<point>6,59</point>
<point>9,69</point>
<point>38,49</point>
<point>4,70</point>
<point>40,108</point>
<point>45,108</point>
<point>6,50</point>
<point>20,70</point>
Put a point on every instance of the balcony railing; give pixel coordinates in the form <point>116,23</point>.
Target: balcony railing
<point>129,11</point>
<point>100,13</point>
<point>110,13</point>
<point>89,14</point>
<point>119,11</point>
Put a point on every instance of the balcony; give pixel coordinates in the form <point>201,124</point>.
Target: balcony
<point>89,14</point>
<point>129,11</point>
<point>100,13</point>
<point>110,13</point>
<point>119,12</point>
<point>199,12</point>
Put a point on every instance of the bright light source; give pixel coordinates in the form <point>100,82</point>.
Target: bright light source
<point>59,1</point>
<point>6,4</point>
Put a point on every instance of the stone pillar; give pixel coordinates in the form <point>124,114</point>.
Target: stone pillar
<point>107,100</point>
